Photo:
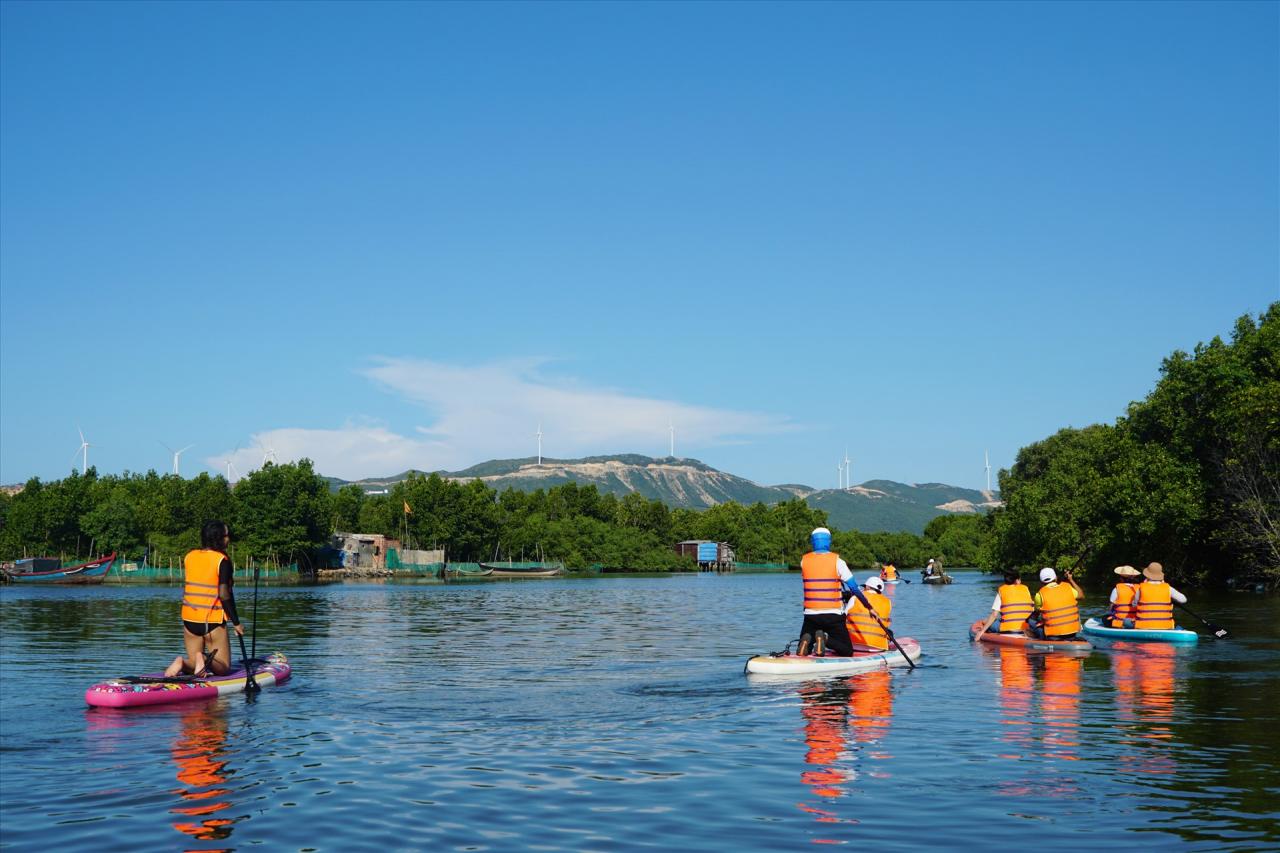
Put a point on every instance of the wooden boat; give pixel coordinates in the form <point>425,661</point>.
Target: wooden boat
<point>464,570</point>
<point>936,579</point>
<point>94,571</point>
<point>524,570</point>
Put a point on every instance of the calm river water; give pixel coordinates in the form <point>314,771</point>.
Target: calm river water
<point>613,714</point>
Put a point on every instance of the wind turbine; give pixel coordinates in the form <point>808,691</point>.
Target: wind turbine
<point>538,434</point>
<point>847,482</point>
<point>82,449</point>
<point>839,476</point>
<point>268,454</point>
<point>987,461</point>
<point>672,429</point>
<point>176,454</point>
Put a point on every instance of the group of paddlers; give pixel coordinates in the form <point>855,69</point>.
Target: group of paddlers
<point>841,617</point>
<point>1053,612</point>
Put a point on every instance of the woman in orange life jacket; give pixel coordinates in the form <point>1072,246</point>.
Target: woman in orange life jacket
<point>889,572</point>
<point>1122,610</point>
<point>1010,608</point>
<point>865,633</point>
<point>207,603</point>
<point>1057,615</point>
<point>1154,600</point>
<point>824,575</point>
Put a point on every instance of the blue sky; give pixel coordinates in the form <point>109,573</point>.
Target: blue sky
<point>404,235</point>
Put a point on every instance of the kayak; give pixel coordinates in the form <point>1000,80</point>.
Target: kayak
<point>132,691</point>
<point>1094,628</point>
<point>810,665</point>
<point>1025,642</point>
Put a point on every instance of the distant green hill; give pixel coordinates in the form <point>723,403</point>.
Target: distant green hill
<point>873,506</point>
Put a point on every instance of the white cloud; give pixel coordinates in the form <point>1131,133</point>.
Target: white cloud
<point>492,411</point>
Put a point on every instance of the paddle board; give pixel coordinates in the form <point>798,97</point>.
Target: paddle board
<point>1025,642</point>
<point>810,665</point>
<point>156,689</point>
<point>1094,628</point>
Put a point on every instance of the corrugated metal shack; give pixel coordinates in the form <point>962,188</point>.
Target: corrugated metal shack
<point>363,550</point>
<point>710,556</point>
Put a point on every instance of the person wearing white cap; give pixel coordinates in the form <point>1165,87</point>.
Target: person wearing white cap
<point>868,632</point>
<point>824,576</point>
<point>1057,615</point>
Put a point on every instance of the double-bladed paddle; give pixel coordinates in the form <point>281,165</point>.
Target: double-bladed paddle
<point>1218,631</point>
<point>857,593</point>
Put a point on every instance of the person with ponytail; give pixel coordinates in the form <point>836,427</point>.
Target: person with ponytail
<point>208,602</point>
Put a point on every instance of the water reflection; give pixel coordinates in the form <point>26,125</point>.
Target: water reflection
<point>845,721</point>
<point>1145,686</point>
<point>200,751</point>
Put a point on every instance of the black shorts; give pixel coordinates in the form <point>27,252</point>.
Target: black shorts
<point>833,624</point>
<point>200,629</point>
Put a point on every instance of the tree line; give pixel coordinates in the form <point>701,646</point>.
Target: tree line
<point>1188,477</point>
<point>287,513</point>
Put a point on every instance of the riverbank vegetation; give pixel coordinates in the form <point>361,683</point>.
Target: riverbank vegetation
<point>285,513</point>
<point>1189,477</point>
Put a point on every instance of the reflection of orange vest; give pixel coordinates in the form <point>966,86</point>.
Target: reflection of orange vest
<point>889,572</point>
<point>821,581</point>
<point>863,628</point>
<point>1155,606</point>
<point>200,602</point>
<point>1059,610</point>
<point>872,705</point>
<point>1015,607</point>
<point>1122,608</point>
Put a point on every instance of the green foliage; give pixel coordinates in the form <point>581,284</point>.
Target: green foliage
<point>1189,477</point>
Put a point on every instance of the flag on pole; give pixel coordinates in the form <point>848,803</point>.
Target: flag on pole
<point>407,511</point>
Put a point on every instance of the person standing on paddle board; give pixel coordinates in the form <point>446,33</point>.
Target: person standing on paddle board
<point>207,603</point>
<point>1011,607</point>
<point>1056,608</point>
<point>1154,600</point>
<point>824,575</point>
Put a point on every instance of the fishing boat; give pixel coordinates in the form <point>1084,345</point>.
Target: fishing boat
<point>1095,628</point>
<point>523,570</point>
<point>1025,642</point>
<point>464,570</point>
<point>132,691</point>
<point>94,571</point>
<point>810,665</point>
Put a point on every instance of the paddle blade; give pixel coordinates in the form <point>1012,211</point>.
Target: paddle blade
<point>1220,633</point>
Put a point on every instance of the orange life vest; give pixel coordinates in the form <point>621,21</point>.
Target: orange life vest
<point>1015,607</point>
<point>863,628</point>
<point>821,581</point>
<point>200,602</point>
<point>1155,606</point>
<point>889,572</point>
<point>1059,610</point>
<point>1122,608</point>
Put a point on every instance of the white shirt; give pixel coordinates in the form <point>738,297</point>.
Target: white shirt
<point>842,571</point>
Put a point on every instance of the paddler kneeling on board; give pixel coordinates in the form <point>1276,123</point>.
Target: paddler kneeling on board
<point>1153,601</point>
<point>1057,615</point>
<point>824,575</point>
<point>1123,609</point>
<point>1011,607</point>
<point>207,603</point>
<point>889,572</point>
<point>868,632</point>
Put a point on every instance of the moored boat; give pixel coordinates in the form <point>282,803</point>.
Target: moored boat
<point>464,570</point>
<point>94,571</point>
<point>1024,642</point>
<point>936,579</point>
<point>808,665</point>
<point>1094,628</point>
<point>523,570</point>
<point>136,690</point>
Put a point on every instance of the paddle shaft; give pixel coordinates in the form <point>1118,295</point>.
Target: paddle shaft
<point>255,613</point>
<point>857,593</point>
<point>1218,631</point>
<point>250,685</point>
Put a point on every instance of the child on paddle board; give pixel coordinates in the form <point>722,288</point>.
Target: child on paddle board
<point>208,601</point>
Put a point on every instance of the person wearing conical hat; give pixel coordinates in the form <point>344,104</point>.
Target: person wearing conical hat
<point>1123,610</point>
<point>1154,600</point>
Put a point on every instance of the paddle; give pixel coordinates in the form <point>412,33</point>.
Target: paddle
<point>857,593</point>
<point>250,686</point>
<point>255,613</point>
<point>1218,631</point>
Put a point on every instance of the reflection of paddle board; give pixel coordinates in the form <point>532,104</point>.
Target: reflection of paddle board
<point>810,665</point>
<point>1094,628</point>
<point>131,691</point>
<point>1025,642</point>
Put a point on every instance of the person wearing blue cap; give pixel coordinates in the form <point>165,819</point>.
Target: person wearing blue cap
<point>824,576</point>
